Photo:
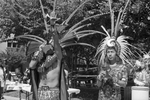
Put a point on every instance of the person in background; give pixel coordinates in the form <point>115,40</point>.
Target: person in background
<point>2,81</point>
<point>141,74</point>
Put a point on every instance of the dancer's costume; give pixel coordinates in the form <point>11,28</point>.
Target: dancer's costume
<point>40,56</point>
<point>142,71</point>
<point>110,90</point>
<point>46,62</point>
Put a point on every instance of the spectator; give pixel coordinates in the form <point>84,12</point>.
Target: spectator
<point>2,81</point>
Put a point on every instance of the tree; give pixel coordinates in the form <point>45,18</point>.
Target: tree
<point>14,57</point>
<point>138,21</point>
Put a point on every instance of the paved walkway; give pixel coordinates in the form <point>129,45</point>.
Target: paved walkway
<point>11,98</point>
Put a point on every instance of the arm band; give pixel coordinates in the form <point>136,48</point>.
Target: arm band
<point>37,56</point>
<point>50,60</point>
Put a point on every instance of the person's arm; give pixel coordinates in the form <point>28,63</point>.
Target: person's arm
<point>50,60</point>
<point>35,59</point>
<point>57,46</point>
<point>32,66</point>
<point>139,83</point>
<point>145,78</point>
<point>66,76</point>
<point>101,76</point>
<point>142,78</point>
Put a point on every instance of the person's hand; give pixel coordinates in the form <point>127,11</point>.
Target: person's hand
<point>115,79</point>
<point>41,47</point>
<point>101,75</point>
<point>41,69</point>
<point>139,82</point>
<point>25,78</point>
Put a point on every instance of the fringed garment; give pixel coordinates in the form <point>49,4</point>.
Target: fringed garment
<point>47,93</point>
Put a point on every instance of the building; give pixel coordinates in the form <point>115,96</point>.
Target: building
<point>10,45</point>
<point>3,46</point>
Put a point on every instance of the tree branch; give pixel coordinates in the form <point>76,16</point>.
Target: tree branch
<point>30,29</point>
<point>21,15</point>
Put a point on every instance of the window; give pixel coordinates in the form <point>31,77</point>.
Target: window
<point>9,44</point>
<point>14,44</point>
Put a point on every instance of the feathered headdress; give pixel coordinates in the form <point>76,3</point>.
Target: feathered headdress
<point>114,40</point>
<point>73,32</point>
<point>146,58</point>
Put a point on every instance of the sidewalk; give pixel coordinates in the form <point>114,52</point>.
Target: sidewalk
<point>11,98</point>
<point>14,98</point>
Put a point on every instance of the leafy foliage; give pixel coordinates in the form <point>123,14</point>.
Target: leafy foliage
<point>13,56</point>
<point>25,17</point>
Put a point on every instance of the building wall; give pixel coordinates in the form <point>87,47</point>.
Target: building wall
<point>3,46</point>
<point>9,46</point>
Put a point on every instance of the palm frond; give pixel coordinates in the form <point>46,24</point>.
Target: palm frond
<point>76,29</point>
<point>32,37</point>
<point>85,33</point>
<point>69,37</point>
<point>85,19</point>
<point>76,44</point>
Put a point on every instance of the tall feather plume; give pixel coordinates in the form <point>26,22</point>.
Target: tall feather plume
<point>123,46</point>
<point>71,32</point>
<point>43,13</point>
<point>117,26</point>
<point>120,18</point>
<point>112,17</point>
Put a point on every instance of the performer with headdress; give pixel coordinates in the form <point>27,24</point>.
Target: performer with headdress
<point>47,64</point>
<point>112,55</point>
<point>113,73</point>
<point>142,72</point>
<point>47,73</point>
<point>49,59</point>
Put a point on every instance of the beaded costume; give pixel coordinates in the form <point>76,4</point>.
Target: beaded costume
<point>142,71</point>
<point>110,90</point>
<point>113,77</point>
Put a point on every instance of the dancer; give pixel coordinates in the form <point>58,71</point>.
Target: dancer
<point>49,69</point>
<point>141,73</point>
<point>112,55</point>
<point>113,74</point>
